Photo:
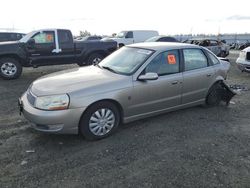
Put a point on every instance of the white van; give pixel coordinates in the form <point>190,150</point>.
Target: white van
<point>134,36</point>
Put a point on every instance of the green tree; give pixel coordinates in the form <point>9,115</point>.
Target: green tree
<point>84,33</point>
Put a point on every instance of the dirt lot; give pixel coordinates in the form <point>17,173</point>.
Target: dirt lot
<point>195,147</point>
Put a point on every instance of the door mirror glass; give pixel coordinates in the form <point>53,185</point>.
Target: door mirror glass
<point>148,76</point>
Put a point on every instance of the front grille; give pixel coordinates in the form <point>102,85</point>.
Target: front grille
<point>248,56</point>
<point>31,98</point>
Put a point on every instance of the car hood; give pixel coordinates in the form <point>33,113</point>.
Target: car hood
<point>90,80</point>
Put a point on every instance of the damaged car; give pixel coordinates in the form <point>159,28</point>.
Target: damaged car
<point>134,82</point>
<point>219,48</point>
<point>243,61</point>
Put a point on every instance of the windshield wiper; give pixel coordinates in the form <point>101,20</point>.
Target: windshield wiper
<point>96,64</point>
<point>110,69</point>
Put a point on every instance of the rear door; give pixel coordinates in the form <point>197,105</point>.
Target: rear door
<point>198,76</point>
<point>163,93</point>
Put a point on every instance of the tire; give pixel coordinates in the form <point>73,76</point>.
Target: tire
<point>121,45</point>
<point>214,95</point>
<point>94,58</point>
<point>10,68</point>
<point>81,64</point>
<point>93,127</point>
<point>223,54</point>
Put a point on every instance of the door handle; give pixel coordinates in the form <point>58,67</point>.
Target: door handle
<point>208,75</point>
<point>174,82</point>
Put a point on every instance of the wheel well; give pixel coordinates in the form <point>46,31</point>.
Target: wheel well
<point>11,56</point>
<point>117,104</point>
<point>97,52</point>
<point>217,82</point>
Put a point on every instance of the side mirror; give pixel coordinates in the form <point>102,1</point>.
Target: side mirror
<point>148,76</point>
<point>31,42</point>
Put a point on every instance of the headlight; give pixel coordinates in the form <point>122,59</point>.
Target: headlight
<point>53,102</point>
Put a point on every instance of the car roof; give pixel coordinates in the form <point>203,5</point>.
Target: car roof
<point>160,46</point>
<point>201,39</point>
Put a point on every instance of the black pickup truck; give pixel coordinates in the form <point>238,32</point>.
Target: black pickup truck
<point>50,47</point>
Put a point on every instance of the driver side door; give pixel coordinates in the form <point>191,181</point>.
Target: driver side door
<point>41,52</point>
<point>161,94</point>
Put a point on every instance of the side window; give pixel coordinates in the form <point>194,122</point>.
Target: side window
<point>165,63</point>
<point>129,35</point>
<point>64,36</point>
<point>213,43</point>
<point>213,58</point>
<point>205,43</point>
<point>194,59</point>
<point>44,37</point>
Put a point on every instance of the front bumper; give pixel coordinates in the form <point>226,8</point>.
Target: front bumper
<point>244,67</point>
<point>61,121</point>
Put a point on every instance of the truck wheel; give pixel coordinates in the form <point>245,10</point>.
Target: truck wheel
<point>99,121</point>
<point>10,68</point>
<point>94,58</point>
<point>121,45</point>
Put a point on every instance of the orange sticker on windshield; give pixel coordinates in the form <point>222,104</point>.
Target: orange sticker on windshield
<point>171,59</point>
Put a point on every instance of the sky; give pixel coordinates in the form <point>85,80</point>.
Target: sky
<point>104,17</point>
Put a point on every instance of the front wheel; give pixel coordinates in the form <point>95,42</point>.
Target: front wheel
<point>99,121</point>
<point>10,68</point>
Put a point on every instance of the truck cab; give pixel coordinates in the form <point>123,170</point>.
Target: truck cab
<point>48,47</point>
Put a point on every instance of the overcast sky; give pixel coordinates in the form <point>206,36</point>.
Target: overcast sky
<point>112,16</point>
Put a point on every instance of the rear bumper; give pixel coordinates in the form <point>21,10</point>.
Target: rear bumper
<point>61,121</point>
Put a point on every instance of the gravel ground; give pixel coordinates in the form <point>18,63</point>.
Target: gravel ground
<point>195,147</point>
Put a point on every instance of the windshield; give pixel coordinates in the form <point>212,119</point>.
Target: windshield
<point>126,60</point>
<point>28,36</point>
<point>121,34</point>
